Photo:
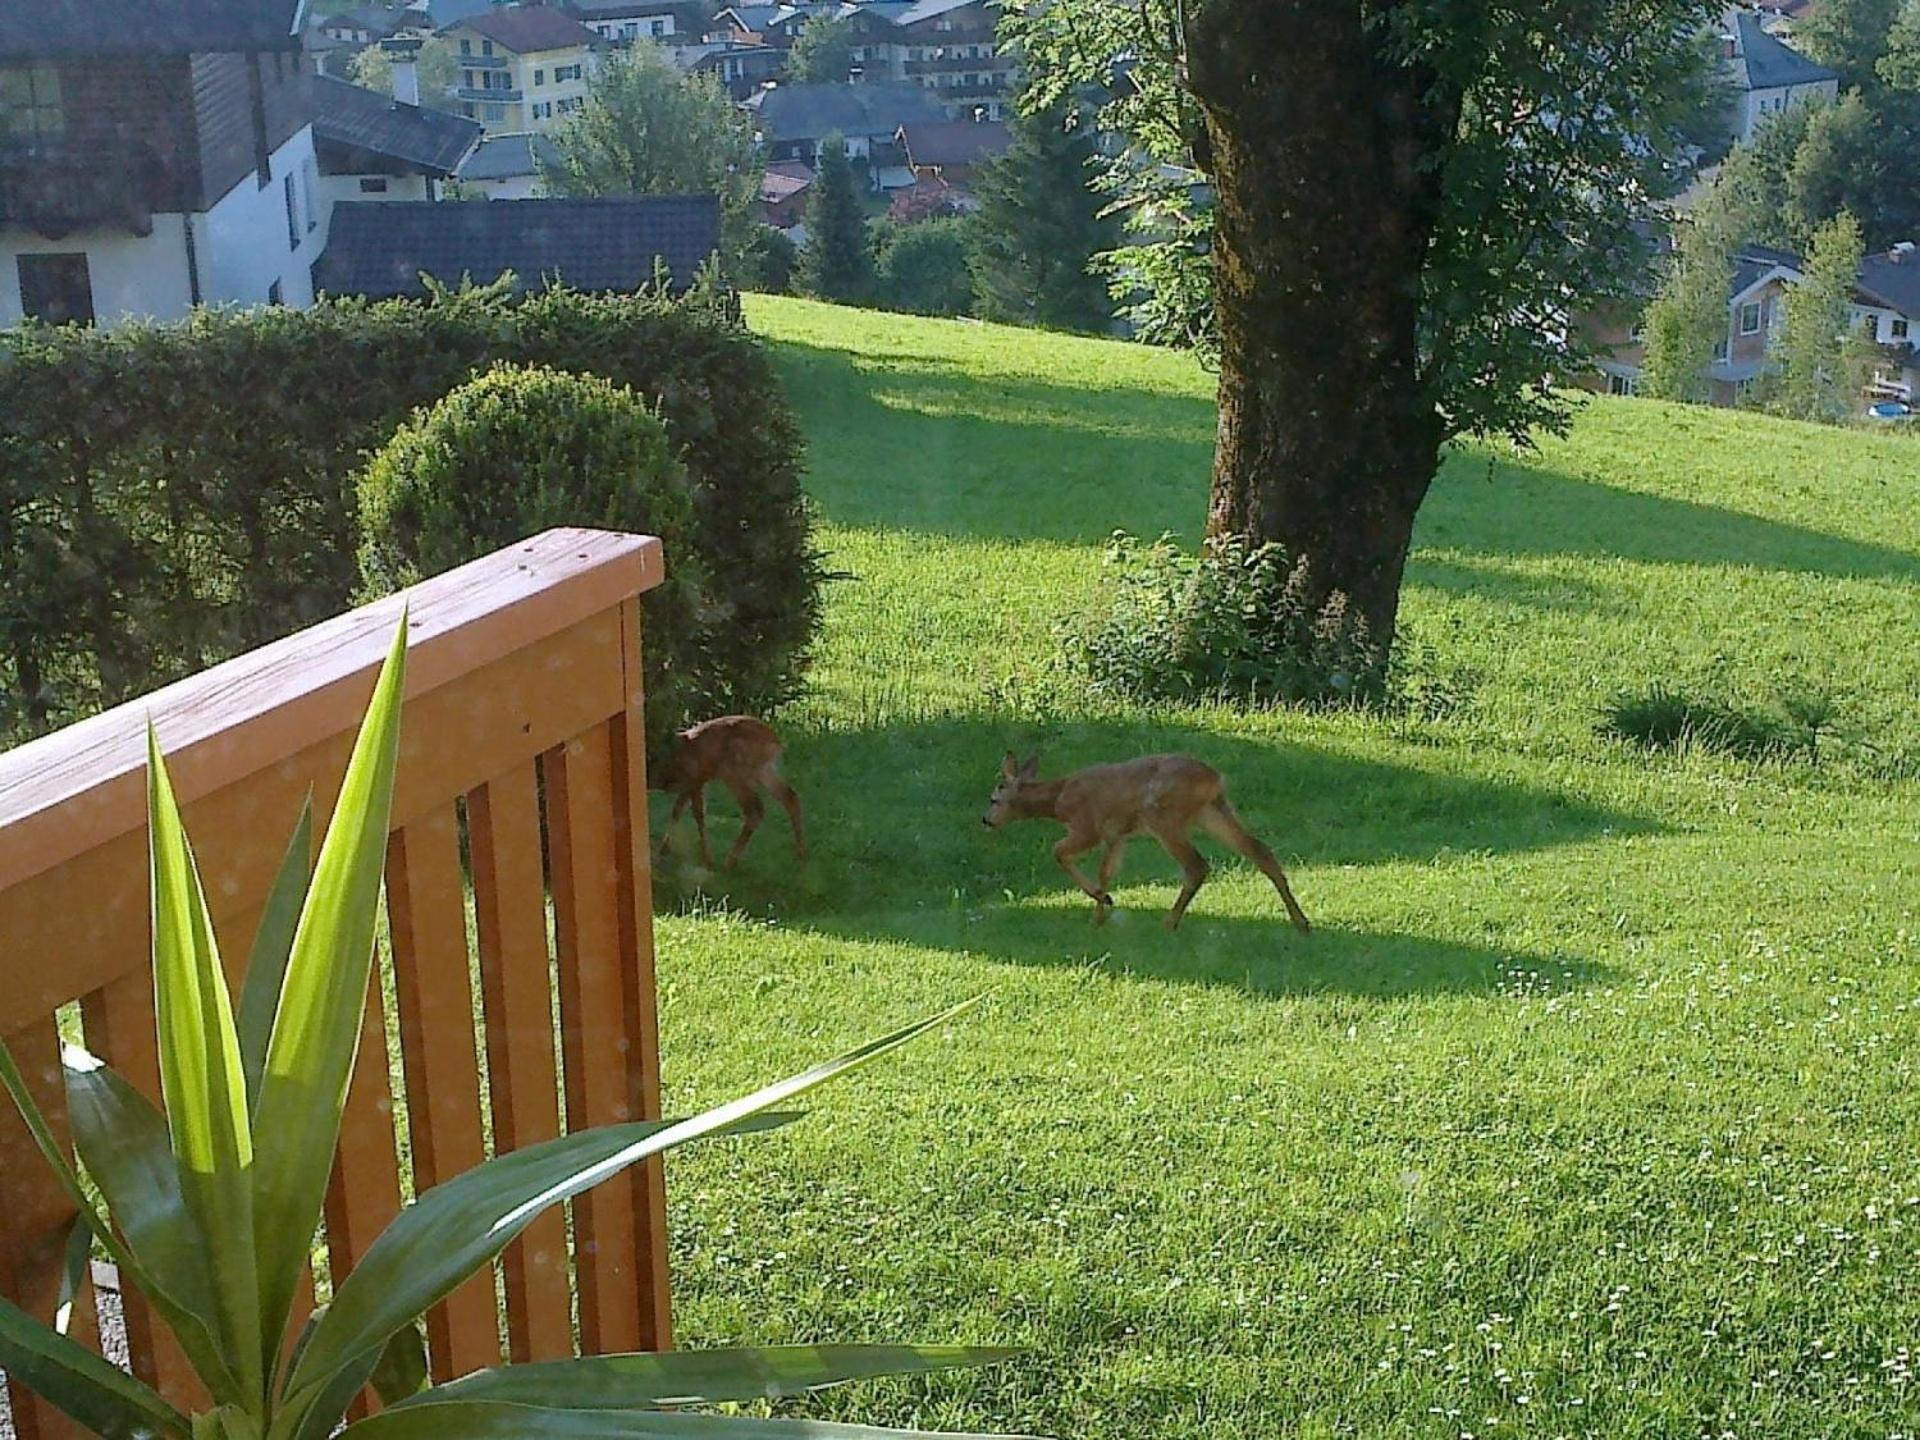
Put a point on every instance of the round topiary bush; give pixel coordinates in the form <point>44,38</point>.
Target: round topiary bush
<point>521,450</point>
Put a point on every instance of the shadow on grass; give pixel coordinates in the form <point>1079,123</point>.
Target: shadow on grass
<point>900,854</point>
<point>925,445</point>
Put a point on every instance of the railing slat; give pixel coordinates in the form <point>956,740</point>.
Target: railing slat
<point>510,908</point>
<point>633,857</point>
<point>426,904</point>
<point>579,778</point>
<point>35,1216</point>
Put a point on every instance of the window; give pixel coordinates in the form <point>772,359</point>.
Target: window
<point>1750,318</point>
<point>486,47</point>
<point>1623,385</point>
<point>309,177</point>
<point>30,106</point>
<point>257,96</point>
<point>542,109</point>
<point>1897,329</point>
<point>1720,350</point>
<point>56,289</point>
<point>275,295</point>
<point>293,211</point>
<point>659,29</point>
<point>496,113</point>
<point>539,77</point>
<point>373,185</point>
<point>466,47</point>
<point>564,73</point>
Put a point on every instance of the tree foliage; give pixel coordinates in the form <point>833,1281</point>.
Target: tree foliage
<point>922,267</point>
<point>1815,357</point>
<point>1039,226</point>
<point>1849,36</point>
<point>822,52</point>
<point>1553,128</point>
<point>648,129</point>
<point>373,69</point>
<point>835,265</point>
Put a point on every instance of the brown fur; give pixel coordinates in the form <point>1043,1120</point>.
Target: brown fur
<point>743,754</point>
<point>1164,796</point>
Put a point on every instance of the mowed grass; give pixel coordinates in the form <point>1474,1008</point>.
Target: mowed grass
<point>1590,1109</point>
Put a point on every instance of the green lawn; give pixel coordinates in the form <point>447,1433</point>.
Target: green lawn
<point>1590,1108</point>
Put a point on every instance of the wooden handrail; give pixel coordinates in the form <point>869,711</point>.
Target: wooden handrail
<point>71,791</point>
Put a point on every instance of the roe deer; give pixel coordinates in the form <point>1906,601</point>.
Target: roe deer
<point>1164,796</point>
<point>743,754</point>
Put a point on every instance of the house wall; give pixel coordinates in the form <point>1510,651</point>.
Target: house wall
<point>133,276</point>
<point>1771,298</point>
<point>1753,106</point>
<point>335,188</point>
<point>139,109</point>
<point>541,106</point>
<point>637,27</point>
<point>1888,325</point>
<point>235,113</point>
<point>514,187</point>
<point>243,240</point>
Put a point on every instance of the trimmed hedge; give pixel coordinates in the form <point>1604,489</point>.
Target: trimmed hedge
<point>519,451</point>
<point>173,494</point>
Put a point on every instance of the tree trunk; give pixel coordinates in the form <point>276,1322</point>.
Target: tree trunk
<point>1321,148</point>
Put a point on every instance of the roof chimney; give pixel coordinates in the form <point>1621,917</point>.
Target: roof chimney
<point>403,57</point>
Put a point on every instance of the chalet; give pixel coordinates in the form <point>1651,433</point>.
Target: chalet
<point>602,246</point>
<point>521,67</point>
<point>619,20</point>
<point>947,46</point>
<point>792,121</point>
<point>154,157</point>
<point>783,193</point>
<point>1767,75</point>
<point>1887,302</point>
<point>506,167</point>
<point>360,27</point>
<point>376,147</point>
<point>741,69</point>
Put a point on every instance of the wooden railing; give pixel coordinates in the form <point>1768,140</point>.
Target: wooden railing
<point>522,735</point>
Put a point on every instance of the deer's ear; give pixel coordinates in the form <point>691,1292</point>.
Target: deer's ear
<point>1032,766</point>
<point>1007,766</point>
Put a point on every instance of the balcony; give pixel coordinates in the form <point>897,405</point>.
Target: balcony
<point>486,96</point>
<point>57,190</point>
<point>482,62</point>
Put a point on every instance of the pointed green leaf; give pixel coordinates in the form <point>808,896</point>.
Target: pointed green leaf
<point>201,1078</point>
<point>316,1028</point>
<point>699,1377</point>
<point>458,1226</point>
<point>272,944</point>
<point>99,1395</point>
<point>76,1257</point>
<point>442,1238</point>
<point>402,1370</point>
<point>193,1333</point>
<point>482,1420</point>
<point>123,1142</point>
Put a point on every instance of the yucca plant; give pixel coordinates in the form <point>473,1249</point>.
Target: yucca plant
<point>208,1208</point>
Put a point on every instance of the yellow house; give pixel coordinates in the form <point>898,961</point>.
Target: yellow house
<point>521,68</point>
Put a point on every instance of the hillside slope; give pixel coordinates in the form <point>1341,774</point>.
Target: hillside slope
<point>1590,1108</point>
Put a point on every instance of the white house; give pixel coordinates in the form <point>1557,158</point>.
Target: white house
<point>619,20</point>
<point>1767,76</point>
<point>386,147</point>
<point>152,159</point>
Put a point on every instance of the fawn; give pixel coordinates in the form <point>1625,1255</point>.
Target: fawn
<point>743,754</point>
<point>1164,796</point>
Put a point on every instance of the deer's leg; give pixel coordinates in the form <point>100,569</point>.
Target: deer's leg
<point>666,830</point>
<point>1066,852</point>
<point>1109,865</point>
<point>1192,863</point>
<point>771,777</point>
<point>700,823</point>
<point>1220,822</point>
<point>751,810</point>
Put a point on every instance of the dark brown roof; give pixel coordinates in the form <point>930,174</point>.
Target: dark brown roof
<point>37,28</point>
<point>954,142</point>
<point>355,119</point>
<point>524,29</point>
<point>381,248</point>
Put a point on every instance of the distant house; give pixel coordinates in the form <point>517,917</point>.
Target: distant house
<point>522,67</point>
<point>438,14</point>
<point>783,193</point>
<point>950,47</point>
<point>793,120</point>
<point>619,20</point>
<point>1885,302</point>
<point>951,150</point>
<point>372,146</point>
<point>602,246</point>
<point>154,157</point>
<point>506,167</point>
<point>1767,75</point>
<point>366,25</point>
<point>742,69</point>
